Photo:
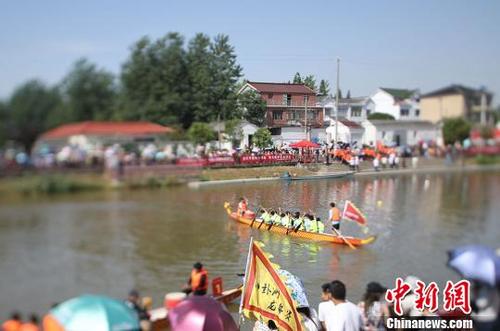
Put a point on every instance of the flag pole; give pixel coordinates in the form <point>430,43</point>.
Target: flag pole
<point>345,207</point>
<point>240,315</point>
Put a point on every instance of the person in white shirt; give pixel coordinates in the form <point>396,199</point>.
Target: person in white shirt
<point>338,314</point>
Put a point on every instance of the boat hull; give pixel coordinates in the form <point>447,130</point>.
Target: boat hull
<point>324,237</point>
<point>326,176</point>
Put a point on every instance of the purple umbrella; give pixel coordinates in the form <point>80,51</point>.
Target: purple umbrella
<point>201,313</point>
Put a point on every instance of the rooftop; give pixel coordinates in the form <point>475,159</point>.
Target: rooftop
<point>399,94</point>
<point>265,87</point>
<point>106,129</point>
<point>456,89</point>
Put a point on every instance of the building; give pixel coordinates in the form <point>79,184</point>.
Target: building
<point>400,133</point>
<point>91,134</point>
<point>287,106</point>
<point>457,101</point>
<point>351,109</point>
<point>402,104</point>
<point>347,132</point>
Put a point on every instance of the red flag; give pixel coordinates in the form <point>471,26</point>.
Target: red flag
<point>352,213</point>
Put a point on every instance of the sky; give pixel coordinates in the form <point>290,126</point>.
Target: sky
<point>400,44</point>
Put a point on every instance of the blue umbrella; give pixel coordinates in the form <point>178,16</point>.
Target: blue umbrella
<point>96,313</point>
<point>476,262</point>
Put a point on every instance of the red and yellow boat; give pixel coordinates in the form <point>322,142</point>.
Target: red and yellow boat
<point>325,237</point>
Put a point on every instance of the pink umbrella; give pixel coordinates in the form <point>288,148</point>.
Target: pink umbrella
<point>201,313</point>
<point>304,144</point>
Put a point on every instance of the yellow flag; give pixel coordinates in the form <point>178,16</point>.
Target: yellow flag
<point>265,296</point>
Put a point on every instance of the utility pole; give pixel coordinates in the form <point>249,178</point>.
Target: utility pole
<point>337,105</point>
<point>483,108</point>
<point>305,114</point>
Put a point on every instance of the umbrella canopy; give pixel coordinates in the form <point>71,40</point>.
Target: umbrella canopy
<point>201,313</point>
<point>304,144</point>
<point>296,287</point>
<point>97,313</point>
<point>476,262</point>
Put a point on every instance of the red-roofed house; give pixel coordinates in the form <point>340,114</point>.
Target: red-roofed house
<point>92,133</point>
<point>286,109</point>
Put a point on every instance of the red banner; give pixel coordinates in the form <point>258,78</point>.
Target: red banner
<point>354,214</point>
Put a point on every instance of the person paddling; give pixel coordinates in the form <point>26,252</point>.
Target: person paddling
<point>321,226</point>
<point>334,217</point>
<point>242,206</point>
<point>198,282</point>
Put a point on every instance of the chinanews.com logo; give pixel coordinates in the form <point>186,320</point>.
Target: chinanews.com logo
<point>455,312</point>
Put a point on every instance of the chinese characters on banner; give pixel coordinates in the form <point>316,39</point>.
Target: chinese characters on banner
<point>265,295</point>
<point>455,296</point>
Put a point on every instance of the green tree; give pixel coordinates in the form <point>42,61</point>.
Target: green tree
<point>339,91</point>
<point>297,79</point>
<point>201,133</point>
<point>324,87</point>
<point>310,82</point>
<point>253,107</point>
<point>455,129</point>
<point>29,110</point>
<point>348,96</point>
<point>226,73</point>
<point>154,83</point>
<point>3,122</point>
<point>89,93</point>
<point>199,60</point>
<point>262,138</point>
<point>380,116</point>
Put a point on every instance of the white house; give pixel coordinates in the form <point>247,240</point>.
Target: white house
<point>351,109</point>
<point>400,103</point>
<point>347,131</point>
<point>400,133</point>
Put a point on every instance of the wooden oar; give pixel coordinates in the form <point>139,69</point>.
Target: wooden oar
<point>343,238</point>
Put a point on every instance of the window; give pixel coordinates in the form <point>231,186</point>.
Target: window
<point>287,99</point>
<point>275,131</point>
<point>270,95</point>
<point>277,115</point>
<point>356,111</point>
<point>294,115</point>
<point>404,112</point>
<point>417,112</point>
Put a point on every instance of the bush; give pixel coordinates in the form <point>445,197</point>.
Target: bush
<point>262,138</point>
<point>487,159</point>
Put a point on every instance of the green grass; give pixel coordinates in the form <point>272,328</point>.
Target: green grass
<point>487,159</point>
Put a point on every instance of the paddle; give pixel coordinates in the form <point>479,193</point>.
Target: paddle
<point>343,238</point>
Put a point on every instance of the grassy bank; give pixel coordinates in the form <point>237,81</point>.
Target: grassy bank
<point>257,172</point>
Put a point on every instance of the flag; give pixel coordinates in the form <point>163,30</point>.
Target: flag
<point>265,295</point>
<point>352,213</point>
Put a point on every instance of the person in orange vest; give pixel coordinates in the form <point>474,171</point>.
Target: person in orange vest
<point>242,206</point>
<point>334,217</point>
<point>198,282</point>
<point>12,324</point>
<point>32,325</point>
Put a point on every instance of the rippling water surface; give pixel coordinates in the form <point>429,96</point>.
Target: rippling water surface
<point>55,248</point>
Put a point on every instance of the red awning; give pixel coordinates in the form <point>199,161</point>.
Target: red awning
<point>305,144</point>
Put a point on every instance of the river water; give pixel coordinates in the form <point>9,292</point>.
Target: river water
<point>55,248</point>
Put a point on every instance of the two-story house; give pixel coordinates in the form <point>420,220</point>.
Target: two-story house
<point>292,112</point>
<point>352,109</point>
<point>458,101</point>
<point>402,104</point>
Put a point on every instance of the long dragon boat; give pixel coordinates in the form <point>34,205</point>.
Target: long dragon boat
<point>314,236</point>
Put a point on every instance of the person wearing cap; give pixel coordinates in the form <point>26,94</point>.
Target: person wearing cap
<point>198,282</point>
<point>373,309</point>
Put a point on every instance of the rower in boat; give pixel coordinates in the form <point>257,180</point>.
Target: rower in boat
<point>308,223</point>
<point>265,216</point>
<point>286,220</point>
<point>198,281</point>
<point>334,217</point>
<point>321,226</point>
<point>298,221</point>
<point>242,206</point>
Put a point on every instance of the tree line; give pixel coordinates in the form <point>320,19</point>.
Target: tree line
<point>167,81</point>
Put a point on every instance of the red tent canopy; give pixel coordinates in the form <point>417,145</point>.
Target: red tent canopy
<point>304,144</point>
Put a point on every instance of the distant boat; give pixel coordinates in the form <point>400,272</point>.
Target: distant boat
<point>321,176</point>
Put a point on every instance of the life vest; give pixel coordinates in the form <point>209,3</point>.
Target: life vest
<point>266,217</point>
<point>196,280</point>
<point>335,214</point>
<point>276,219</point>
<point>11,325</point>
<point>314,225</point>
<point>29,327</point>
<point>308,224</point>
<point>321,227</point>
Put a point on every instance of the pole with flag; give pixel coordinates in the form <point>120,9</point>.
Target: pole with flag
<point>265,295</point>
